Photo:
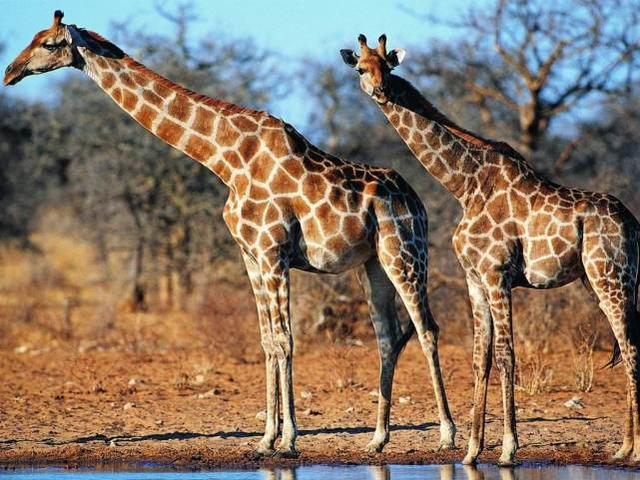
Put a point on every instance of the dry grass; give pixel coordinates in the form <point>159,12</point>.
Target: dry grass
<point>343,365</point>
<point>35,287</point>
<point>228,321</point>
<point>534,374</point>
<point>534,334</point>
<point>583,341</point>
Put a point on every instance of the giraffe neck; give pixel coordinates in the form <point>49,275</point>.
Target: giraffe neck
<point>451,154</point>
<point>204,129</point>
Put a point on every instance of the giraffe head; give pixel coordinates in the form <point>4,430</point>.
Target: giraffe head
<point>58,46</point>
<point>374,66</point>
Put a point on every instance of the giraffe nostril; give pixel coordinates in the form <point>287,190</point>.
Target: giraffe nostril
<point>8,70</point>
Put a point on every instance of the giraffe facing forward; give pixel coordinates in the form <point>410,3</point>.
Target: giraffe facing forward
<point>517,229</point>
<point>290,205</point>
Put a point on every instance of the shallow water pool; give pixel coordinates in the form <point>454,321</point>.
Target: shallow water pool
<point>360,472</point>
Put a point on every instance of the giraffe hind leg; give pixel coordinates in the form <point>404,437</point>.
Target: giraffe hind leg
<point>616,354</point>
<point>409,277</point>
<point>391,340</point>
<point>617,300</point>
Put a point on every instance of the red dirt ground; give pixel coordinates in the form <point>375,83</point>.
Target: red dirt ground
<point>68,408</point>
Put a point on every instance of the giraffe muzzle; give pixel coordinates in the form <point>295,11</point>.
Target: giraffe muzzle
<point>13,75</point>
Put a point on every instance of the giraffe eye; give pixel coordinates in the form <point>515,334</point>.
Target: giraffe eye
<point>54,46</point>
<point>360,71</point>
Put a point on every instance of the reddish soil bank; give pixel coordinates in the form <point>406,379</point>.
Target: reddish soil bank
<point>69,408</point>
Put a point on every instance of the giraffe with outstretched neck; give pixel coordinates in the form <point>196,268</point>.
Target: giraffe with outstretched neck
<point>517,229</point>
<point>290,205</point>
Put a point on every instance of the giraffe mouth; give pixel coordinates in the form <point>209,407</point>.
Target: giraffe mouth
<point>13,75</point>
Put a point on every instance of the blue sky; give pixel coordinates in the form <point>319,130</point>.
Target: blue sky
<point>294,29</point>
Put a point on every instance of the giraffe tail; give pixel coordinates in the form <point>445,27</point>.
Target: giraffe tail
<point>616,357</point>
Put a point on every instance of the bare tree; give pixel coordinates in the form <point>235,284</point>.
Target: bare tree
<point>138,196</point>
<point>27,166</point>
<point>525,62</point>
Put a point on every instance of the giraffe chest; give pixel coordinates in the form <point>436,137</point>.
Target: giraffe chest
<point>257,225</point>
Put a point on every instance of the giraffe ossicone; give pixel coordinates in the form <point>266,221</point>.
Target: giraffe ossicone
<point>517,229</point>
<point>290,205</point>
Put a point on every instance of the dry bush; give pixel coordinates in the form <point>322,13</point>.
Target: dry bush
<point>449,301</point>
<point>332,306</point>
<point>227,321</point>
<point>533,374</point>
<point>343,365</point>
<point>534,334</point>
<point>542,322</point>
<point>583,340</point>
<point>182,382</point>
<point>85,374</point>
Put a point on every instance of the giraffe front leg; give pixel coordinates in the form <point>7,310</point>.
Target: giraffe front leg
<point>500,304</point>
<point>482,340</point>
<point>276,279</point>
<point>272,423</point>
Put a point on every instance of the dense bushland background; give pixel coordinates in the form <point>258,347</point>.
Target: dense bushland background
<point>111,239</point>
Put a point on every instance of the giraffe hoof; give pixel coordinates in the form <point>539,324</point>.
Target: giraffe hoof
<point>634,458</point>
<point>445,446</point>
<point>506,463</point>
<point>373,448</point>
<point>288,453</point>
<point>470,459</point>
<point>622,453</point>
<point>259,453</point>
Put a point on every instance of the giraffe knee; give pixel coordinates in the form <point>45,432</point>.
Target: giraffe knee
<point>267,346</point>
<point>429,341</point>
<point>282,346</point>
<point>479,367</point>
<point>388,355</point>
<point>505,361</point>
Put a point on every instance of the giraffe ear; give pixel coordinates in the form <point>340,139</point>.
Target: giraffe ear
<point>349,57</point>
<point>395,57</point>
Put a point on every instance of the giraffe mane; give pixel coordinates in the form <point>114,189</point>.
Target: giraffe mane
<point>94,39</point>
<point>156,77</point>
<point>196,97</point>
<point>424,107</point>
